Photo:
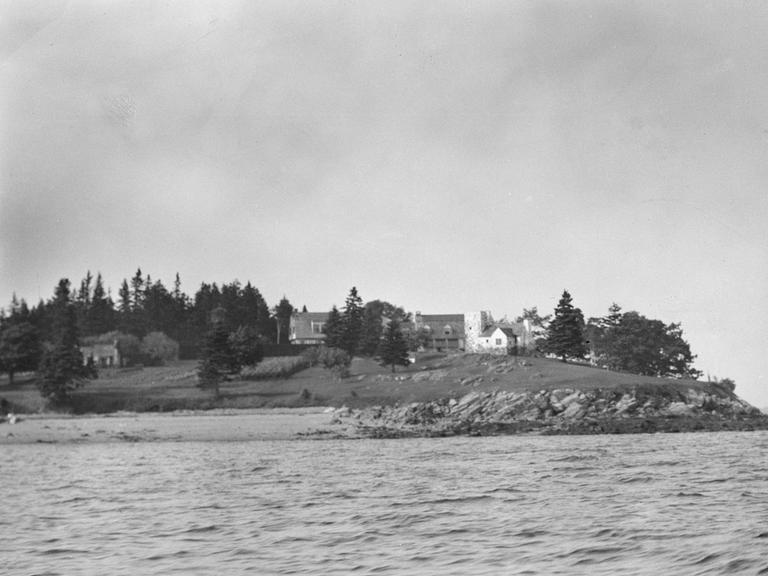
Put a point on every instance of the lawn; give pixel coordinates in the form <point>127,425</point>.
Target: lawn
<point>432,376</point>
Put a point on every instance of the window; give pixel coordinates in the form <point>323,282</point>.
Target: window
<point>498,341</point>
<point>317,327</point>
<point>447,330</point>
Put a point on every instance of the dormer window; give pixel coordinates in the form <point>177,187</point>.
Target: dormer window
<point>447,330</point>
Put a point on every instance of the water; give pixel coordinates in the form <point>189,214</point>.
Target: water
<point>655,504</point>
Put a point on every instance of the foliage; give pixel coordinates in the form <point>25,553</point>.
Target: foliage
<point>394,346</point>
<point>374,314</point>
<point>649,347</point>
<point>334,359</point>
<point>352,322</point>
<point>217,360</point>
<point>283,312</point>
<point>565,334</point>
<point>274,368</point>
<point>246,346</point>
<point>19,348</point>
<point>334,329</point>
<point>537,326</point>
<point>158,349</point>
<point>62,369</point>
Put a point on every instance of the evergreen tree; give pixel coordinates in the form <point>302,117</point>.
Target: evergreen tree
<point>283,312</point>
<point>246,346</point>
<point>565,335</point>
<point>334,329</point>
<point>19,341</point>
<point>62,369</point>
<point>352,322</point>
<point>217,359</point>
<point>101,315</point>
<point>393,350</point>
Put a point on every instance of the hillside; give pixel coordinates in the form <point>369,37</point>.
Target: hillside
<point>433,377</point>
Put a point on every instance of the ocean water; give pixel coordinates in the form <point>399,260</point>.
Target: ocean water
<point>646,504</point>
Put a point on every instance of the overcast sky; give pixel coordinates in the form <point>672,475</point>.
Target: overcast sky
<point>446,157</point>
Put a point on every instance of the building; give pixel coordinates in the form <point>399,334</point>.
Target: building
<point>442,332</point>
<point>102,355</point>
<point>474,332</point>
<point>498,340</point>
<point>307,327</point>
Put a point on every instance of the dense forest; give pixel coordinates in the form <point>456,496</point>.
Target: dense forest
<point>143,307</point>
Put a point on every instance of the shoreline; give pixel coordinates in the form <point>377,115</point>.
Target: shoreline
<point>218,425</point>
<point>328,423</point>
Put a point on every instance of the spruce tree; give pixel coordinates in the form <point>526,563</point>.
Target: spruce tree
<point>217,359</point>
<point>62,369</point>
<point>333,329</point>
<point>393,350</point>
<point>565,334</point>
<point>353,322</point>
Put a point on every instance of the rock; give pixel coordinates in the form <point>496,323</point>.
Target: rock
<point>679,409</point>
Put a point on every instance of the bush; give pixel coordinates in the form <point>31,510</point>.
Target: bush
<point>272,368</point>
<point>157,349</point>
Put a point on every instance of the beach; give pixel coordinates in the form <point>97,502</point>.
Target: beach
<point>190,426</point>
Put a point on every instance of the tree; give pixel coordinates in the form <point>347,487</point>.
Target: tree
<point>246,346</point>
<point>374,314</point>
<point>334,329</point>
<point>217,359</point>
<point>101,314</point>
<point>283,312</point>
<point>62,369</point>
<point>565,335</point>
<point>394,346</point>
<point>537,327</point>
<point>158,349</point>
<point>649,347</point>
<point>19,348</point>
<point>352,322</point>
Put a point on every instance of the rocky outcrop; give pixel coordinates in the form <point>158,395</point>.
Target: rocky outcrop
<point>559,411</point>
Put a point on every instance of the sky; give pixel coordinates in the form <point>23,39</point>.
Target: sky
<point>444,156</point>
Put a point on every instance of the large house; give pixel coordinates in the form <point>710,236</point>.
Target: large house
<point>307,327</point>
<point>443,332</point>
<point>475,332</point>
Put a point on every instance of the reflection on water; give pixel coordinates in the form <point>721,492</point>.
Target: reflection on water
<point>663,504</point>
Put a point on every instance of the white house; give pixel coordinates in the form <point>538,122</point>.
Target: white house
<point>497,340</point>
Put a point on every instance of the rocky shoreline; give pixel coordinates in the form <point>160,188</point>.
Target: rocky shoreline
<point>644,409</point>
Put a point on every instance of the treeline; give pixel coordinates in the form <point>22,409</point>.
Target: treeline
<point>144,307</point>
<point>622,341</point>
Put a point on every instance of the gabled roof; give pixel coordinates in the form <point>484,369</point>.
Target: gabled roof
<point>508,331</point>
<point>313,316</point>
<point>445,318</point>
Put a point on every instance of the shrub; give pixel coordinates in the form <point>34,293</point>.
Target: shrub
<point>157,349</point>
<point>272,368</point>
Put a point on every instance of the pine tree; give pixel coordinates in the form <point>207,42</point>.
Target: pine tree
<point>394,347</point>
<point>333,329</point>
<point>62,369</point>
<point>283,312</point>
<point>19,341</point>
<point>565,335</point>
<point>352,322</point>
<point>217,359</point>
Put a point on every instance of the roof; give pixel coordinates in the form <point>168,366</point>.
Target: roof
<point>445,318</point>
<point>508,331</point>
<point>313,316</point>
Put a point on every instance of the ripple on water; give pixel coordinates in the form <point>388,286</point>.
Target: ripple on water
<point>512,505</point>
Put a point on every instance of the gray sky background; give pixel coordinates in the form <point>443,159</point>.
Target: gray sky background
<point>446,157</point>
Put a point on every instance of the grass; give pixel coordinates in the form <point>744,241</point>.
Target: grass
<point>433,376</point>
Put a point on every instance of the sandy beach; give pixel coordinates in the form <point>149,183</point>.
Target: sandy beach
<point>215,425</point>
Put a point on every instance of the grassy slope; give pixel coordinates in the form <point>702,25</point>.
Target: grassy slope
<point>433,376</point>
